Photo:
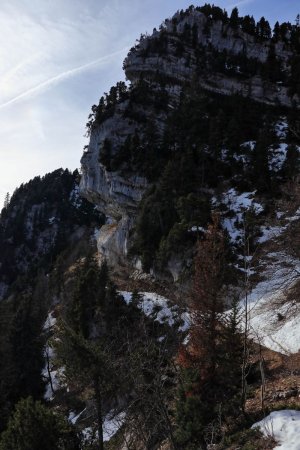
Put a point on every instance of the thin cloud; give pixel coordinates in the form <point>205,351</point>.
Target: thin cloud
<point>23,64</point>
<point>240,3</point>
<point>58,78</point>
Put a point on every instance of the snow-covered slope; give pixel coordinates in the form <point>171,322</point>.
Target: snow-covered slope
<point>274,320</point>
<point>160,308</point>
<point>284,427</point>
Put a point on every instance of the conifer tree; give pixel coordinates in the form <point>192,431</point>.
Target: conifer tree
<point>89,364</point>
<point>6,200</point>
<point>35,427</point>
<point>294,82</point>
<point>234,19</point>
<point>199,361</point>
<point>248,24</point>
<point>105,154</point>
<point>260,160</point>
<point>263,29</point>
<point>87,345</point>
<point>25,346</point>
<point>272,68</point>
<point>276,32</point>
<point>208,368</point>
<point>292,162</point>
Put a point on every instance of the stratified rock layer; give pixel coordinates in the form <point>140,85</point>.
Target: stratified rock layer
<point>116,194</point>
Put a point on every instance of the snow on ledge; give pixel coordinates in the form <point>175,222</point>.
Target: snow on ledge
<point>49,322</point>
<point>284,427</point>
<point>111,426</point>
<point>160,307</point>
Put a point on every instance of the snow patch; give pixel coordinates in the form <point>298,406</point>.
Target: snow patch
<point>73,417</point>
<point>56,377</point>
<point>49,322</point>
<point>112,424</point>
<point>274,321</point>
<point>241,202</point>
<point>281,128</point>
<point>3,289</point>
<point>159,308</point>
<point>249,144</point>
<point>269,233</point>
<point>51,220</point>
<point>284,427</point>
<point>56,374</point>
<point>194,229</point>
<point>278,157</point>
<point>75,197</point>
<point>236,205</point>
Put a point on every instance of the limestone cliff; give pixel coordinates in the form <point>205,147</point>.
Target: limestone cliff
<point>115,195</point>
<point>189,47</point>
<point>211,38</point>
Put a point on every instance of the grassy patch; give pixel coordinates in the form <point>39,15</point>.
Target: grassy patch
<point>248,439</point>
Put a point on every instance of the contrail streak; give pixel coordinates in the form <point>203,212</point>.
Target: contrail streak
<point>10,73</point>
<point>46,84</point>
<point>239,3</point>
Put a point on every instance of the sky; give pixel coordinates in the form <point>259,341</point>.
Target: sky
<point>57,57</point>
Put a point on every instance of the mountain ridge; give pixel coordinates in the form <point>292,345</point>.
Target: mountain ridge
<point>155,339</point>
<point>192,55</point>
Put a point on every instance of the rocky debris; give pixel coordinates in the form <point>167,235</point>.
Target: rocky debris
<point>283,395</point>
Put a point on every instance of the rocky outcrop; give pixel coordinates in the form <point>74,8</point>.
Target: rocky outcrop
<point>168,59</point>
<point>116,195</point>
<point>218,38</point>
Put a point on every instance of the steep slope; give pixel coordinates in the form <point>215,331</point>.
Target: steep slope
<point>42,218</point>
<point>218,53</point>
<point>205,139</point>
<point>208,123</point>
<point>206,96</point>
<point>44,229</point>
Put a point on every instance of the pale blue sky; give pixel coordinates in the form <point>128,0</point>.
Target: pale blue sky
<point>58,57</point>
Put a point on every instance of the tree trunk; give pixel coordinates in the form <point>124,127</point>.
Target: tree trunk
<point>99,413</point>
<point>246,316</point>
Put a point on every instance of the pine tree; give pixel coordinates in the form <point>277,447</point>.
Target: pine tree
<point>260,160</point>
<point>294,80</point>
<point>232,358</point>
<point>234,19</point>
<point>197,401</point>
<point>6,200</point>
<point>248,24</point>
<point>105,154</point>
<point>272,67</point>
<point>291,164</point>
<point>35,427</point>
<point>88,342</point>
<point>26,351</point>
<point>209,370</point>
<point>263,29</point>
<point>276,32</point>
<point>90,364</point>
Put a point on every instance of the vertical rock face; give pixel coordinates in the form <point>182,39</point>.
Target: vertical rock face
<point>216,38</point>
<point>115,195</point>
<point>168,60</point>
